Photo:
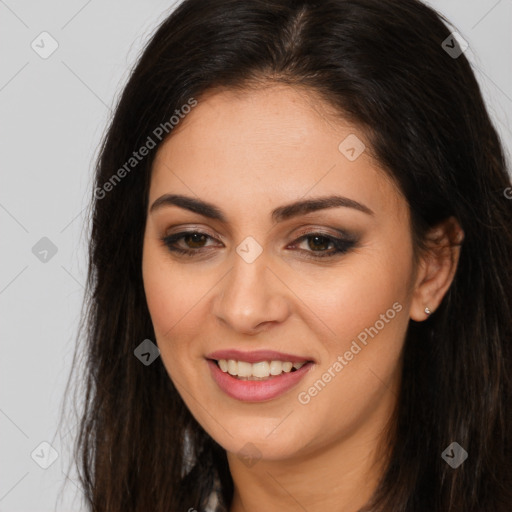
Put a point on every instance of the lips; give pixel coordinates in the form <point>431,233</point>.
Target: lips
<point>256,356</point>
<point>257,390</point>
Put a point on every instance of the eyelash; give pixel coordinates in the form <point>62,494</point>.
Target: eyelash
<point>341,245</point>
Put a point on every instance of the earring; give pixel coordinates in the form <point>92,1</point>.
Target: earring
<point>427,311</point>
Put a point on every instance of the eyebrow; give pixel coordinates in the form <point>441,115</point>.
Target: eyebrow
<point>279,214</point>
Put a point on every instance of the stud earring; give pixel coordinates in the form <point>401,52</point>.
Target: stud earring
<point>427,311</point>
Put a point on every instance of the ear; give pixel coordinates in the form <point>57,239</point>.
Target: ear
<point>436,268</point>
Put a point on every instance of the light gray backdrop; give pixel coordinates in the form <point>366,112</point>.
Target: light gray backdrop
<point>54,105</point>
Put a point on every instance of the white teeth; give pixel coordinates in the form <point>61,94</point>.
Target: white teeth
<point>232,367</point>
<point>244,369</point>
<point>287,367</point>
<point>276,368</point>
<point>259,370</point>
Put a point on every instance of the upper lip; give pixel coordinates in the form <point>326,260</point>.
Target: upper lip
<point>256,356</point>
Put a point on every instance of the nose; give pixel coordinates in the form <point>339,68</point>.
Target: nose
<point>251,297</point>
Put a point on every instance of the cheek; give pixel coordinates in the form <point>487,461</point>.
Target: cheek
<point>365,307</point>
<point>177,295</point>
<point>170,298</point>
<point>161,294</point>
<point>362,293</point>
<point>171,294</point>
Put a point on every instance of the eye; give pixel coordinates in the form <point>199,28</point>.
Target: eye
<point>318,244</point>
<point>193,241</point>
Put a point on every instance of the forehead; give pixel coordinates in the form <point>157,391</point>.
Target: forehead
<point>266,147</point>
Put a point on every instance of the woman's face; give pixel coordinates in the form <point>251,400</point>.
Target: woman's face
<point>263,278</point>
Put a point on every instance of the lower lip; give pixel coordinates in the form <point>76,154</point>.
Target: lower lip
<point>257,390</point>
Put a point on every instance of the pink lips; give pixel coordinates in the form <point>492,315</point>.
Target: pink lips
<point>256,356</point>
<point>256,390</point>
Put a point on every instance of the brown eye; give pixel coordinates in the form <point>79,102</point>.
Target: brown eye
<point>318,245</point>
<point>192,242</point>
<point>195,240</point>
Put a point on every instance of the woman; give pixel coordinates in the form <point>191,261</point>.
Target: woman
<point>301,204</point>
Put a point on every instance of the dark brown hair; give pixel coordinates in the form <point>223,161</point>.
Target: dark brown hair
<point>382,65</point>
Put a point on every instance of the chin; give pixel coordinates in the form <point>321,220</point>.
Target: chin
<point>259,440</point>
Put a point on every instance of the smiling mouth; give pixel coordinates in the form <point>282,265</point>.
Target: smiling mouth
<point>262,370</point>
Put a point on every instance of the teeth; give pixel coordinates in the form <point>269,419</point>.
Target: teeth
<point>232,367</point>
<point>256,371</point>
<point>244,369</point>
<point>276,367</point>
<point>259,369</point>
<point>287,367</point>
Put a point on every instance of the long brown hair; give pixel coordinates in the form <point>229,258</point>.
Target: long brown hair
<point>384,66</point>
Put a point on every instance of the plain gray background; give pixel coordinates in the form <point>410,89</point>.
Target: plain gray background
<point>53,112</point>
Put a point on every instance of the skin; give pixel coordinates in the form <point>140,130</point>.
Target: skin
<point>247,153</point>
